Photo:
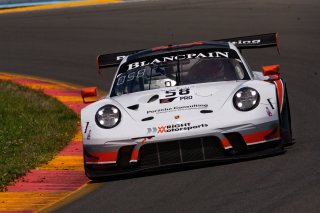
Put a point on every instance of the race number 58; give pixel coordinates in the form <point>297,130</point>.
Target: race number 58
<point>182,91</point>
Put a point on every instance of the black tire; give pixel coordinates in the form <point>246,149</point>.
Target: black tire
<point>96,179</point>
<point>286,131</point>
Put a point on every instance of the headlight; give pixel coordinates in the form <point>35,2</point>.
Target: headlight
<point>108,116</point>
<point>246,99</point>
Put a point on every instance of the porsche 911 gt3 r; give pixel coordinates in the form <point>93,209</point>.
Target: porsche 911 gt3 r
<point>181,104</point>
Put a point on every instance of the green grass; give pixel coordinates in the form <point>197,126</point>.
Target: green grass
<point>33,128</point>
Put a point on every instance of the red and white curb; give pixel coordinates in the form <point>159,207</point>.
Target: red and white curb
<point>60,177</point>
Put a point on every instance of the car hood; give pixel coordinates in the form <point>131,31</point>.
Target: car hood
<point>191,101</point>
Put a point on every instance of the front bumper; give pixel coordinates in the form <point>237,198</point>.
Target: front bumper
<point>223,146</point>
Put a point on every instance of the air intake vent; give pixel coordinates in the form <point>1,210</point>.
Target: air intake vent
<point>237,142</point>
<point>124,156</point>
<point>169,152</point>
<point>206,111</point>
<point>180,151</point>
<point>192,150</point>
<point>147,119</point>
<point>134,107</point>
<point>153,98</point>
<point>149,156</point>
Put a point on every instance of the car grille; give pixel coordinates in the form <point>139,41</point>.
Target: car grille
<point>180,151</point>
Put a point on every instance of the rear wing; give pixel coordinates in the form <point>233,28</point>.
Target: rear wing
<point>113,59</point>
<point>246,42</point>
<point>255,41</point>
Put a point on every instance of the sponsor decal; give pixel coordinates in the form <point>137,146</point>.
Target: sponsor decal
<point>152,130</point>
<point>89,135</point>
<point>214,54</point>
<point>181,93</point>
<point>175,128</point>
<point>144,141</point>
<point>120,57</point>
<point>186,98</point>
<point>87,124</point>
<point>177,108</point>
<point>162,129</point>
<point>269,113</point>
<point>258,41</point>
<point>131,76</point>
<point>166,100</point>
<point>177,92</point>
<point>269,100</point>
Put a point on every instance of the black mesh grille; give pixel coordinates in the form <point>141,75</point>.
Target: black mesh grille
<point>124,156</point>
<point>169,152</point>
<point>212,148</point>
<point>180,151</point>
<point>149,155</point>
<point>192,150</point>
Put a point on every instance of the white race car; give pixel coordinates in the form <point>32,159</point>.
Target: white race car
<point>181,104</point>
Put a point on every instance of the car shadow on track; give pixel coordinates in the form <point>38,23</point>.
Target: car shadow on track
<point>179,168</point>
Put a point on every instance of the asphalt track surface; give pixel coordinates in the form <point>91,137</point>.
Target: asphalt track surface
<point>62,44</point>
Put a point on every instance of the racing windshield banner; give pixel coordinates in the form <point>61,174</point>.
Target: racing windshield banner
<point>180,56</point>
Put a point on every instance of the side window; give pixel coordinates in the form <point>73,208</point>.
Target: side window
<point>239,71</point>
<point>162,76</point>
<point>249,68</point>
<point>132,81</point>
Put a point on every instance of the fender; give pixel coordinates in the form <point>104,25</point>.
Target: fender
<point>280,91</point>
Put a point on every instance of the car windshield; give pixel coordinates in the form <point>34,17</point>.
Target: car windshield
<point>178,72</point>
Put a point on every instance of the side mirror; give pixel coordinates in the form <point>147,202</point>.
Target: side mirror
<point>272,71</point>
<point>90,93</point>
